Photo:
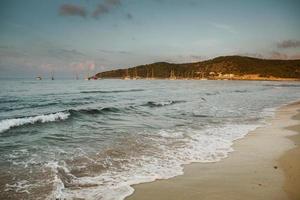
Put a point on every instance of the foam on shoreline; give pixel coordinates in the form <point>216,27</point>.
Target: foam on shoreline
<point>209,145</point>
<point>252,172</point>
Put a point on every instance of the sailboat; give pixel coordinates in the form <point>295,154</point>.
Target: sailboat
<point>52,75</point>
<point>135,75</point>
<point>152,73</point>
<point>147,75</point>
<point>202,77</point>
<point>127,77</point>
<point>172,75</point>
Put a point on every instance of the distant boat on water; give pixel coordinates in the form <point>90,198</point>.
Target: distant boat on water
<point>172,75</point>
<point>202,76</point>
<point>126,77</point>
<point>52,75</point>
<point>38,78</point>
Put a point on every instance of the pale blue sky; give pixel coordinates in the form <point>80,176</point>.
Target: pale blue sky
<point>37,36</point>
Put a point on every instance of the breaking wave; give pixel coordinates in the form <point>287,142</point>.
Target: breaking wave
<point>126,167</point>
<point>282,85</point>
<point>7,124</point>
<point>161,104</point>
<point>93,111</point>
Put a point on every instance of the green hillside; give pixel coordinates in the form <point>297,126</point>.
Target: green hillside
<point>237,65</point>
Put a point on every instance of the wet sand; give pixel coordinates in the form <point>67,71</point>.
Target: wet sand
<point>290,163</point>
<point>265,165</point>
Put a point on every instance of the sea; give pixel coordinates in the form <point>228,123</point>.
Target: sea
<point>76,139</point>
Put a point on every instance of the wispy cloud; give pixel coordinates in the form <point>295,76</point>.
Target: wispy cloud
<point>62,61</point>
<point>255,55</point>
<point>113,52</point>
<point>295,56</point>
<point>112,2</point>
<point>288,44</point>
<point>66,54</point>
<point>100,10</point>
<point>278,55</point>
<point>105,7</point>
<point>224,27</point>
<point>283,56</point>
<point>72,10</point>
<point>11,52</point>
<point>198,57</point>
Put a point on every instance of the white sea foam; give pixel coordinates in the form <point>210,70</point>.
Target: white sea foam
<point>173,150</point>
<point>10,123</point>
<point>20,186</point>
<point>57,182</point>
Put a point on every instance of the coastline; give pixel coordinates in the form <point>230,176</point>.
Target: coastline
<point>290,163</point>
<point>263,166</point>
<point>206,79</point>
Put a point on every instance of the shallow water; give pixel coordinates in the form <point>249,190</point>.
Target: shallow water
<point>93,139</point>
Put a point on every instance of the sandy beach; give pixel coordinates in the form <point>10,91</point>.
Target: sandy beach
<point>265,165</point>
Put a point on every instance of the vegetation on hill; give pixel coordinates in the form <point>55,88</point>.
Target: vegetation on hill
<point>236,65</point>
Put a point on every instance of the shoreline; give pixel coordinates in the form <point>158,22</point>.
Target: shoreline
<point>207,79</point>
<point>290,163</point>
<point>263,166</point>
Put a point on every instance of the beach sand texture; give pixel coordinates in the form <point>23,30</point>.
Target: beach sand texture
<point>265,165</point>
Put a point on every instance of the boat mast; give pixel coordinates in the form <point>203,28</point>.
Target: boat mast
<point>152,73</point>
<point>147,73</point>
<point>52,75</point>
<point>135,72</point>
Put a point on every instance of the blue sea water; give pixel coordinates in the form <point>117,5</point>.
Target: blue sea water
<point>67,139</point>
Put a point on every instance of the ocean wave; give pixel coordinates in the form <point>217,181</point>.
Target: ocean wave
<point>7,124</point>
<point>177,147</point>
<point>43,105</point>
<point>161,103</point>
<point>93,111</point>
<point>282,85</point>
<point>112,91</point>
<point>20,187</point>
<point>25,106</point>
<point>200,115</point>
<point>11,123</point>
<point>211,93</point>
<point>9,100</point>
<point>240,91</point>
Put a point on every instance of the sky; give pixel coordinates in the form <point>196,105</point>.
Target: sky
<point>88,36</point>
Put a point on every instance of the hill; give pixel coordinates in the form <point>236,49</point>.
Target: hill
<point>224,67</point>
